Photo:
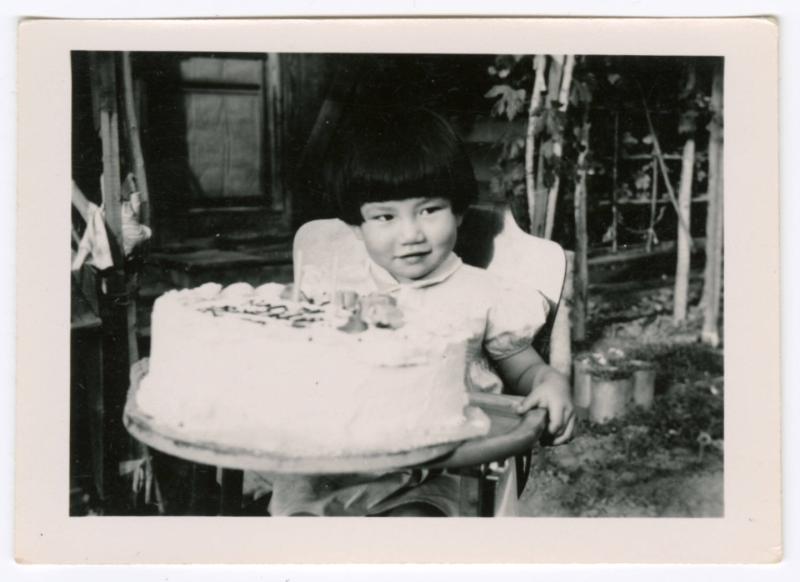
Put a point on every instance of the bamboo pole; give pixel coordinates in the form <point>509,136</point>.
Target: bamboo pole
<point>109,136</point>
<point>135,140</point>
<point>563,103</point>
<point>581,279</point>
<point>144,197</point>
<point>566,82</point>
<point>560,340</point>
<point>712,285</point>
<point>80,202</point>
<point>684,252</point>
<point>665,172</point>
<point>534,112</point>
<point>653,203</point>
<point>555,68</point>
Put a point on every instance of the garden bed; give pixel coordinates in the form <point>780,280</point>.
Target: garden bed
<point>665,461</point>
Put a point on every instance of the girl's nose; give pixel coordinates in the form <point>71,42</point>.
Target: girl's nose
<point>411,232</point>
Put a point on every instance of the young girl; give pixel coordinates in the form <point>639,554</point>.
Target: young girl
<point>403,181</point>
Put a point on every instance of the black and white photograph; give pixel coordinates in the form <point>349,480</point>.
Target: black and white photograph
<point>416,283</point>
<point>219,304</point>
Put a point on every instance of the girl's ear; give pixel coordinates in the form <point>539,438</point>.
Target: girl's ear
<point>357,232</point>
<point>459,219</point>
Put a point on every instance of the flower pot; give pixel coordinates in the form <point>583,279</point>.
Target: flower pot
<point>582,384</point>
<point>644,381</point>
<point>612,391</point>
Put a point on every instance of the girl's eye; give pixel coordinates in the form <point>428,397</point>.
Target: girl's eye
<point>431,209</point>
<point>381,217</point>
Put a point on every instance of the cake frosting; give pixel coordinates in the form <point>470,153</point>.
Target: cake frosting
<point>249,367</point>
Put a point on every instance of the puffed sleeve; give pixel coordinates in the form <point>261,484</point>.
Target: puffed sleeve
<point>513,321</point>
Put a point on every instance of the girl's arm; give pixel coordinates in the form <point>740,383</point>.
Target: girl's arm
<point>527,374</point>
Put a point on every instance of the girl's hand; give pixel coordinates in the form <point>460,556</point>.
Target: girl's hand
<point>526,373</point>
<point>553,394</point>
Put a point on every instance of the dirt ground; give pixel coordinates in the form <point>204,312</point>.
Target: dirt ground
<point>666,461</point>
<point>591,477</point>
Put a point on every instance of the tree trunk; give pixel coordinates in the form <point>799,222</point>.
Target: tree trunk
<point>684,251</point>
<point>534,112</point>
<point>563,103</point>
<point>581,279</point>
<point>712,284</point>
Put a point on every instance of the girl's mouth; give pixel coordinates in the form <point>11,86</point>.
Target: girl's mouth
<point>413,257</point>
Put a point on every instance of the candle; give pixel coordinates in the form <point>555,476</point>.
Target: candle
<point>298,276</point>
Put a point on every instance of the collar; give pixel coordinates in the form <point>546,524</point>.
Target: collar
<point>386,282</point>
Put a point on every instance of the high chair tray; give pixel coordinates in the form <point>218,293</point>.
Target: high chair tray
<point>508,435</point>
<point>231,457</point>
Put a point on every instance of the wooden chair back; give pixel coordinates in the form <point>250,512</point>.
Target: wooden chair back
<point>488,238</point>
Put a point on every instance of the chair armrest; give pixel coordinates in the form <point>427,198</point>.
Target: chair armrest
<point>510,434</point>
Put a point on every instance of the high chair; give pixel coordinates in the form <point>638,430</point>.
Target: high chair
<point>488,238</point>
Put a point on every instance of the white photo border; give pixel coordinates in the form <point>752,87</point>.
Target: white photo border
<point>751,528</point>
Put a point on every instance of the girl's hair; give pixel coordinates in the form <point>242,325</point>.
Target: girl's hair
<point>379,155</point>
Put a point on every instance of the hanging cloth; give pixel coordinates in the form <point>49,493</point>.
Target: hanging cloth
<point>93,248</point>
<point>133,232</point>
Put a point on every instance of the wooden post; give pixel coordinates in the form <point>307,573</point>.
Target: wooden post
<point>684,252</point>
<point>135,140</point>
<point>144,197</point>
<point>274,131</point>
<point>712,285</point>
<point>554,74</point>
<point>614,185</point>
<point>539,62</point>
<point>114,298</point>
<point>560,340</point>
<point>563,103</point>
<point>120,347</point>
<point>581,280</point>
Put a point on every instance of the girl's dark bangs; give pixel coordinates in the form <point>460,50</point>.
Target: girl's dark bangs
<point>376,190</point>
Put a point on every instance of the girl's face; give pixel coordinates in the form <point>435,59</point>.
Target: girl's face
<point>409,238</point>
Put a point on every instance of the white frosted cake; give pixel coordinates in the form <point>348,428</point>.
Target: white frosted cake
<point>249,368</point>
